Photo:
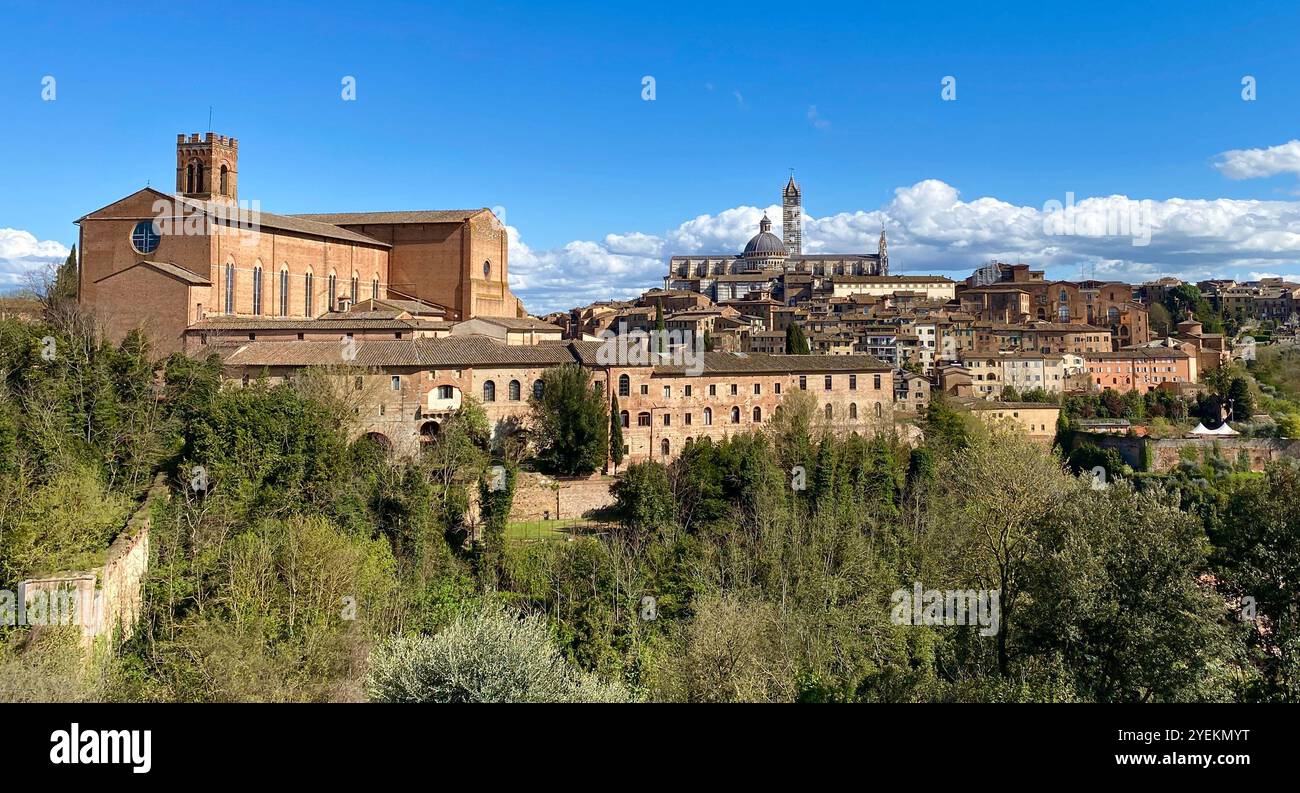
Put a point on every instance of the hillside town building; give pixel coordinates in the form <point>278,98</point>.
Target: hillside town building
<point>411,387</point>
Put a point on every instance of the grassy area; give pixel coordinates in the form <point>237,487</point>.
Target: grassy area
<point>1279,366</point>
<point>551,530</point>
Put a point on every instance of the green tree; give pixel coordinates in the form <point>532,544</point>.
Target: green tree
<point>658,341</point>
<point>1113,592</point>
<point>946,427</point>
<point>1243,401</point>
<point>615,432</point>
<point>1159,319</point>
<point>1258,537</point>
<point>570,422</point>
<point>796,343</point>
<point>64,286</point>
<point>644,497</point>
<point>496,497</point>
<point>991,500</point>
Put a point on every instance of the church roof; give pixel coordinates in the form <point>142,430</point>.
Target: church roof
<point>246,218</point>
<point>891,279</point>
<point>486,353</point>
<point>167,268</point>
<point>400,217</point>
<point>831,257</point>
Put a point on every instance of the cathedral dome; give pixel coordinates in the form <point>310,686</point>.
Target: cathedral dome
<point>764,244</point>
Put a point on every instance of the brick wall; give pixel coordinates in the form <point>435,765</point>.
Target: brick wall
<point>579,497</point>
<point>1167,453</point>
<point>109,598</point>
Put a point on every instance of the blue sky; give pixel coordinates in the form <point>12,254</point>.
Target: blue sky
<point>537,108</point>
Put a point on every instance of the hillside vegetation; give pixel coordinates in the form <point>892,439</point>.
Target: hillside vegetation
<point>295,564</point>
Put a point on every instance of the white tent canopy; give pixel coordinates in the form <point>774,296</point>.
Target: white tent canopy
<point>1220,431</point>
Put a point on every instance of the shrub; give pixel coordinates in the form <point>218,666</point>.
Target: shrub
<point>491,655</point>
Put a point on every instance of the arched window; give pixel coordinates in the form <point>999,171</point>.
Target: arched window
<point>643,419</point>
<point>830,413</point>
<point>230,288</point>
<point>353,293</point>
<point>198,177</point>
<point>374,288</point>
<point>331,299</point>
<point>1112,314</point>
<point>663,447</point>
<point>853,411</point>
<point>257,289</point>
<point>624,418</point>
<point>514,390</point>
<point>1065,297</point>
<point>735,415</point>
<point>284,292</point>
<point>758,415</point>
<point>537,389</point>
<point>879,410</point>
<point>489,391</point>
<point>225,184</point>
<point>624,385</point>
<point>309,300</point>
<point>708,416</point>
<point>1063,313</point>
<point>189,178</point>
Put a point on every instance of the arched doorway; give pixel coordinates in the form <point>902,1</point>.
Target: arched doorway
<point>429,431</point>
<point>380,440</point>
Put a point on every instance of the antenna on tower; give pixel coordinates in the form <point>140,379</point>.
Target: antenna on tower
<point>209,118</point>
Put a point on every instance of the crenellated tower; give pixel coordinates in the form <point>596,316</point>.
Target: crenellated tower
<point>207,168</point>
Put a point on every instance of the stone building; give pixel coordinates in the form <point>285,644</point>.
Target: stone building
<point>1025,297</point>
<point>406,389</point>
<point>1140,369</point>
<point>166,263</point>
<point>1036,420</point>
<point>1022,371</point>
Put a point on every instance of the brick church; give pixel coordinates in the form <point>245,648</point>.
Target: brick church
<point>179,264</point>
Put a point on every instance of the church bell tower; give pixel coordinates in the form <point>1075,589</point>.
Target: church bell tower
<point>207,168</point>
<point>792,218</point>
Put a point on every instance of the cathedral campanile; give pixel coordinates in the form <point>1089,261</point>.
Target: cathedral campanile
<point>792,218</point>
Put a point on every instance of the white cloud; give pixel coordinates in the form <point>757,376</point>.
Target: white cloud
<point>816,119</point>
<point>1259,163</point>
<point>931,229</point>
<point>21,253</point>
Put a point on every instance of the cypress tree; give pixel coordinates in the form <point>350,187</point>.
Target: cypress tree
<point>796,343</point>
<point>615,433</point>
